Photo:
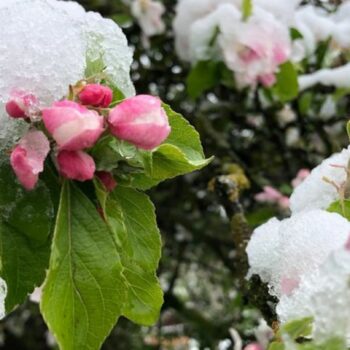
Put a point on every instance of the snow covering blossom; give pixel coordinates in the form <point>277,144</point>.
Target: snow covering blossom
<point>21,104</point>
<point>316,25</point>
<point>252,49</point>
<point>48,44</point>
<point>27,158</point>
<point>325,295</point>
<point>315,192</point>
<point>281,252</point>
<point>305,259</point>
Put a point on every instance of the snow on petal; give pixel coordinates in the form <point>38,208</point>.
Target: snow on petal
<point>314,192</point>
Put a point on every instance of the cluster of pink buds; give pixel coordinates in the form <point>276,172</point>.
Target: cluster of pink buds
<point>74,126</point>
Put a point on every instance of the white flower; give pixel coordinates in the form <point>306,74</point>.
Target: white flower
<point>281,252</point>
<point>149,15</point>
<point>252,49</point>
<point>315,192</point>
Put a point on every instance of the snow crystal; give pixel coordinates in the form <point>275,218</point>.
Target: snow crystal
<point>314,192</point>
<point>44,47</point>
<point>280,252</point>
<point>324,295</point>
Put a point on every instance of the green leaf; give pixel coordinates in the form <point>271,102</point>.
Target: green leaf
<point>305,103</point>
<point>298,328</point>
<point>341,207</point>
<point>203,76</point>
<point>247,9</point>
<point>25,226</point>
<point>276,346</point>
<point>131,218</point>
<point>348,129</point>
<point>334,344</point>
<point>122,19</point>
<point>109,151</point>
<point>287,86</point>
<point>118,95</point>
<point>84,291</point>
<point>295,34</point>
<point>181,153</point>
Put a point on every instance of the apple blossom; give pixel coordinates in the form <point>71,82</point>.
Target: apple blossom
<point>96,95</point>
<point>73,126</point>
<point>324,295</point>
<point>21,104</point>
<point>76,165</point>
<point>281,252</point>
<point>314,192</point>
<point>149,15</point>
<point>140,120</point>
<point>254,49</point>
<point>27,158</point>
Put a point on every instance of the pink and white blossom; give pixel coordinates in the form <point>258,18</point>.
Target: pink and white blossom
<point>140,120</point>
<point>96,95</point>
<point>76,165</point>
<point>255,49</point>
<point>149,15</point>
<point>21,104</point>
<point>73,127</point>
<point>282,252</point>
<point>314,192</point>
<point>27,158</point>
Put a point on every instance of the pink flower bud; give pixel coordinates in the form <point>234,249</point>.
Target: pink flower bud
<point>73,126</point>
<point>301,176</point>
<point>107,180</point>
<point>141,120</point>
<point>254,346</point>
<point>20,104</point>
<point>76,165</point>
<point>269,195</point>
<point>27,158</point>
<point>272,196</point>
<point>96,95</point>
